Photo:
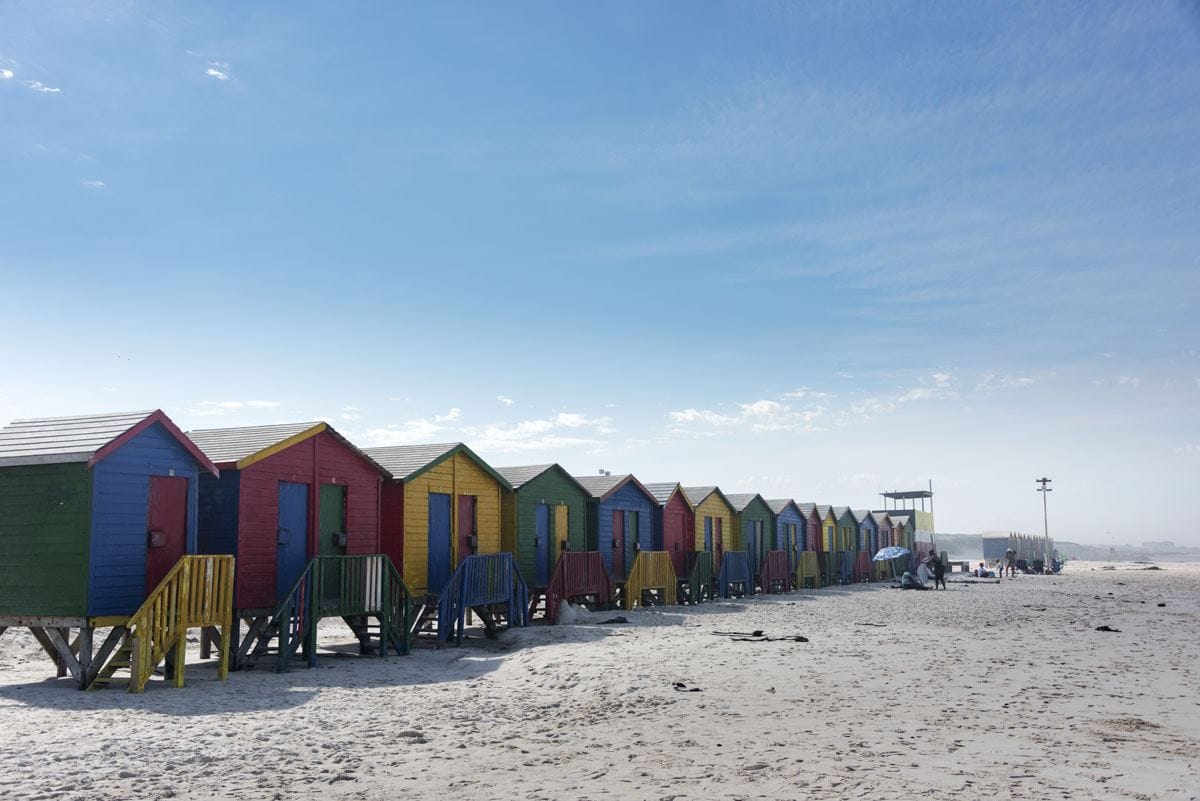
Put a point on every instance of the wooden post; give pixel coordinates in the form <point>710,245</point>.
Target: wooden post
<point>229,623</point>
<point>180,622</point>
<point>85,655</point>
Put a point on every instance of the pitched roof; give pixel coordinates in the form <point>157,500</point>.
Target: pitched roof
<point>807,509</point>
<point>242,446</point>
<point>860,514</point>
<point>779,504</point>
<point>823,510</point>
<point>841,511</point>
<point>881,518</point>
<point>599,486</point>
<point>663,490</point>
<point>87,438</point>
<point>899,520</point>
<point>697,495</point>
<point>740,500</point>
<point>406,462</point>
<point>520,475</point>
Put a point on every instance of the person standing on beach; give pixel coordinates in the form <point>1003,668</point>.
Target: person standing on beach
<point>1011,556</point>
<point>939,570</point>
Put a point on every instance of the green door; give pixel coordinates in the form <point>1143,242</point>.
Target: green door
<point>331,541</point>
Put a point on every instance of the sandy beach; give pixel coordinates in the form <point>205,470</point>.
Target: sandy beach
<point>983,691</point>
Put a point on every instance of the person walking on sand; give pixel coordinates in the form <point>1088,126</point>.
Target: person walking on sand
<point>939,570</point>
<point>1011,556</point>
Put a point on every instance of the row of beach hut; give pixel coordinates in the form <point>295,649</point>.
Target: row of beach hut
<point>124,522</point>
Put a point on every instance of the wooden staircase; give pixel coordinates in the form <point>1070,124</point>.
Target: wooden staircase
<point>697,585</point>
<point>489,585</point>
<point>197,593</point>
<point>366,592</point>
<point>652,580</point>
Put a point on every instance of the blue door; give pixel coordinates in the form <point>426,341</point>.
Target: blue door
<point>541,544</point>
<point>439,542</point>
<point>708,534</point>
<point>751,532</point>
<point>291,540</point>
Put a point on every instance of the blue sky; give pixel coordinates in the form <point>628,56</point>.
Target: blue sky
<point>810,250</point>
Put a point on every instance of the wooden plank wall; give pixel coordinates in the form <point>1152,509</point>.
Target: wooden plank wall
<point>458,475</point>
<point>714,507</point>
<point>45,520</point>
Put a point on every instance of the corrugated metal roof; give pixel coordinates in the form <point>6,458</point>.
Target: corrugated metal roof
<point>663,490</point>
<point>740,500</point>
<point>58,440</point>
<point>522,474</point>
<point>599,486</point>
<point>806,509</point>
<point>824,510</point>
<point>841,511</point>
<point>880,517</point>
<point>404,460</point>
<point>860,514</point>
<point>233,444</point>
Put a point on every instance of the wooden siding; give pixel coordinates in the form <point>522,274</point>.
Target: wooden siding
<point>518,528</point>
<point>789,515</point>
<point>218,510</point>
<point>756,511</point>
<point>673,522</point>
<point>120,501</point>
<point>715,507</point>
<point>628,498</point>
<point>868,536</point>
<point>829,533</point>
<point>321,459</point>
<point>813,537</point>
<point>847,532</point>
<point>45,521</point>
<point>458,475</point>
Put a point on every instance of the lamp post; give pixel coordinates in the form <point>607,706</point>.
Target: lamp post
<point>1044,488</point>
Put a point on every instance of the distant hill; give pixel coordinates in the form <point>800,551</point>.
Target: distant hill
<point>970,546</point>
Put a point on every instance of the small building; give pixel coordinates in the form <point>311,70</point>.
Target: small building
<point>753,520</point>
<point>96,513</point>
<point>828,529</point>
<point>543,516</point>
<point>812,526</point>
<point>847,530</point>
<point>620,520</point>
<point>903,530</point>
<point>715,532</point>
<point>868,532</point>
<point>883,528</point>
<point>674,524</point>
<point>790,529</point>
<point>441,505</point>
<point>286,493</point>
<point>78,496</point>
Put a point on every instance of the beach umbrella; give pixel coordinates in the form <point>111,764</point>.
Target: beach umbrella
<point>891,552</point>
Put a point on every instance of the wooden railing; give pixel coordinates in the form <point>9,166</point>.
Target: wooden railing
<point>807,570</point>
<point>342,586</point>
<point>652,570</point>
<point>578,574</point>
<point>480,582</point>
<point>197,592</point>
<point>735,570</point>
<point>774,575</point>
<point>700,576</point>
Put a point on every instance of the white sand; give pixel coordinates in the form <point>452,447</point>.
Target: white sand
<point>984,691</point>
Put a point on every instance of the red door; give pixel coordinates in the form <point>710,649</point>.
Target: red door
<point>673,542</point>
<point>618,538</point>
<point>467,542</point>
<point>166,540</point>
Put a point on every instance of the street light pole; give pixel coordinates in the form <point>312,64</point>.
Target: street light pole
<point>1044,488</point>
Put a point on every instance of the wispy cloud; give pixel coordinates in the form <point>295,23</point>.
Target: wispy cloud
<point>218,408</point>
<point>992,381</point>
<point>449,417</point>
<point>1129,381</point>
<point>563,430</point>
<point>806,393</point>
<point>38,86</point>
<point>218,70</point>
<point>92,184</point>
<point>6,75</point>
<point>507,401</point>
<point>350,413</point>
